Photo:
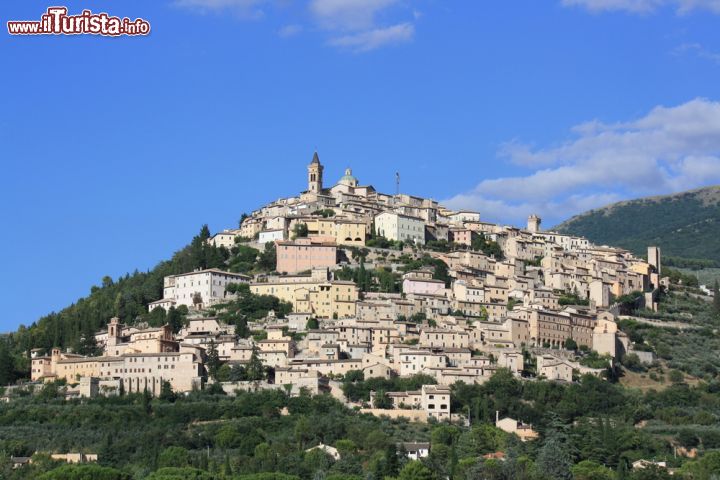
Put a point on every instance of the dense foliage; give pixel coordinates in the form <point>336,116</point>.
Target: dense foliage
<point>683,333</point>
<point>590,429</point>
<point>686,226</point>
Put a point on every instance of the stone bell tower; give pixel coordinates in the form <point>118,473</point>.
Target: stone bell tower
<point>533,224</point>
<point>315,173</point>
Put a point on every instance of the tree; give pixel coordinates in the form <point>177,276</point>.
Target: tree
<point>184,473</point>
<point>415,470</point>
<point>381,400</point>
<point>213,359</point>
<point>224,373</point>
<point>487,247</point>
<point>489,469</point>
<point>255,370</point>
<point>300,230</point>
<point>174,457</point>
<point>166,392</point>
<point>705,468</point>
<point>363,277</point>
<point>716,297</point>
<point>82,472</point>
<point>676,376</point>
<point>590,470</point>
<point>346,447</point>
<point>312,324</point>
<point>570,344</point>
<point>554,460</point>
<point>157,317</point>
<point>175,317</point>
<point>7,369</point>
<point>632,361</point>
<point>268,258</point>
<point>392,462</point>
<point>651,472</point>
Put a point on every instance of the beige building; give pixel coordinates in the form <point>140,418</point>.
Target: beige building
<point>553,368</point>
<point>312,294</point>
<point>465,292</point>
<point>141,360</point>
<point>226,238</point>
<point>510,425</point>
<point>137,372</point>
<point>432,399</point>
<point>344,231</point>
<point>441,338</point>
<point>417,361</point>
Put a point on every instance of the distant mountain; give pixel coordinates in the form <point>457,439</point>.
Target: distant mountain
<point>685,225</point>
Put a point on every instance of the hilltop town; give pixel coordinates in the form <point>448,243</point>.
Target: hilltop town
<point>380,286</point>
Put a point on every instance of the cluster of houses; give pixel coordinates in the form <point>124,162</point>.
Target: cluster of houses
<point>492,312</point>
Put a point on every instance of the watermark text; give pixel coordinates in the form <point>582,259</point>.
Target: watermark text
<point>56,21</point>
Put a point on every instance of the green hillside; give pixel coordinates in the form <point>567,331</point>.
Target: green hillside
<point>686,225</point>
<point>126,297</point>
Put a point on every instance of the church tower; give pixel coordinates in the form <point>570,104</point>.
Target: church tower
<point>533,224</point>
<point>315,172</point>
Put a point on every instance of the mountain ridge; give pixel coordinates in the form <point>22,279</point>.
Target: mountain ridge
<point>686,225</point>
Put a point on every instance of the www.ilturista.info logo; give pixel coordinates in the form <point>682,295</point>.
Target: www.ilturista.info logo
<point>57,22</point>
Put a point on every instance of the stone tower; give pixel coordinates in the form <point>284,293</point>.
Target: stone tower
<point>533,224</point>
<point>315,173</point>
<point>113,331</point>
<point>655,259</point>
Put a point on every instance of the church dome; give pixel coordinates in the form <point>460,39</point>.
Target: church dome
<point>348,178</point>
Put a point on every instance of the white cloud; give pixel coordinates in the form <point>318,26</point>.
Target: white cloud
<point>645,6</point>
<point>670,149</point>
<point>698,50</point>
<point>348,14</point>
<point>352,25</point>
<point>243,8</point>
<point>376,38</point>
<point>290,30</point>
<point>357,24</point>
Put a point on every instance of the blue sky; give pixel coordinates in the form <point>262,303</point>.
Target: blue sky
<point>114,151</point>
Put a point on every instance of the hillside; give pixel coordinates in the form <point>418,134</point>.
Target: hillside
<point>126,297</point>
<point>686,225</point>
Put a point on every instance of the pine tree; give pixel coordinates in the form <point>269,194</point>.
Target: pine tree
<point>392,463</point>
<point>7,368</point>
<point>147,401</point>
<point>166,392</point>
<point>716,297</point>
<point>213,359</point>
<point>554,460</point>
<point>255,369</point>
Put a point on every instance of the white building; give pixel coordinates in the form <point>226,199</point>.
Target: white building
<point>464,216</point>
<point>415,450</point>
<point>398,227</point>
<point>271,235</point>
<point>567,242</point>
<point>198,289</point>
